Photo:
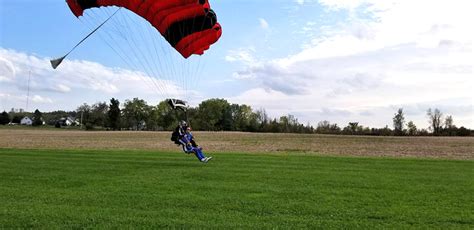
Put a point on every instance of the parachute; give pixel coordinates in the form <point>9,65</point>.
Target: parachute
<point>190,26</point>
<point>161,40</point>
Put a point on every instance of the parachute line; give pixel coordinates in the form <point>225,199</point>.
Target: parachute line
<point>56,62</point>
<point>117,48</point>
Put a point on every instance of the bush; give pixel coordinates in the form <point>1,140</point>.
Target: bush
<point>89,126</point>
<point>463,132</point>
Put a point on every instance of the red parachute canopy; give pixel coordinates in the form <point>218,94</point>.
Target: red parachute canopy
<point>190,26</point>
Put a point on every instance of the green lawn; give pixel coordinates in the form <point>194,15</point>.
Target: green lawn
<point>123,189</point>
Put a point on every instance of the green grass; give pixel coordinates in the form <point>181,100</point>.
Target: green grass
<point>123,189</point>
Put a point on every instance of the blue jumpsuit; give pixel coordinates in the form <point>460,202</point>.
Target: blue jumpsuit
<point>189,148</point>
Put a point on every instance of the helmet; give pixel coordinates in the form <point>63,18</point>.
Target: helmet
<point>183,123</point>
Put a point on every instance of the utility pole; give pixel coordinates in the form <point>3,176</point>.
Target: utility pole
<point>82,112</point>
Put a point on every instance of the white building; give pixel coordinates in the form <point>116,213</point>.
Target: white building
<point>26,121</point>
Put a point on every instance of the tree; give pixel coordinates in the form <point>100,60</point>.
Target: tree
<point>463,131</point>
<point>17,118</point>
<point>253,123</point>
<point>227,119</point>
<point>423,132</point>
<point>325,127</point>
<point>412,131</point>
<point>398,122</point>
<point>352,128</point>
<point>293,124</point>
<point>241,115</point>
<point>84,111</point>
<point>449,128</point>
<point>262,121</point>
<point>284,124</point>
<point>136,112</point>
<point>37,118</point>
<point>4,118</point>
<point>436,120</point>
<point>99,114</point>
<point>114,114</point>
<point>448,122</point>
<point>167,118</point>
<point>212,114</point>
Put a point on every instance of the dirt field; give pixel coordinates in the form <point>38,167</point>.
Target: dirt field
<point>216,142</point>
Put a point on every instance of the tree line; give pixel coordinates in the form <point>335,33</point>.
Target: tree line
<point>220,115</point>
<point>438,125</point>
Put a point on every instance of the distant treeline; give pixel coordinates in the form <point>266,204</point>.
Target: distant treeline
<point>219,115</point>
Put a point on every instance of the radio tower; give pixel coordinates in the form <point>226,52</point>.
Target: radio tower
<point>28,92</point>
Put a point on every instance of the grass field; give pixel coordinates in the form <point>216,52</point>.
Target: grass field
<point>57,188</point>
<point>55,178</point>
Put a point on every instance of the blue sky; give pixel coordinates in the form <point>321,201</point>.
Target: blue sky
<point>333,60</point>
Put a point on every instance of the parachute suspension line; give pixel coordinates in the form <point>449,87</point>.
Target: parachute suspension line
<point>119,25</point>
<point>197,71</point>
<point>181,75</point>
<point>156,58</point>
<point>114,47</point>
<point>138,51</point>
<point>166,75</point>
<point>190,71</point>
<point>172,74</point>
<point>56,62</point>
<point>186,75</point>
<point>173,66</point>
<point>122,53</point>
<point>109,42</point>
<point>147,53</point>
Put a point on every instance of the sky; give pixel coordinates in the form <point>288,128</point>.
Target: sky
<point>335,60</point>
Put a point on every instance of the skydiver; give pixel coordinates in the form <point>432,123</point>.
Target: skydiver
<point>190,146</point>
<point>179,132</point>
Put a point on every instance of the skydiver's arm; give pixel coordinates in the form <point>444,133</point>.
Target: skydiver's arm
<point>193,143</point>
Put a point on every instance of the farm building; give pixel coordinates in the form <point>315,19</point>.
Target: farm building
<point>26,121</point>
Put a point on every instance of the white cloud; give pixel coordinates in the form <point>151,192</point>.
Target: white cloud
<point>299,2</point>
<point>63,88</point>
<point>388,54</point>
<point>302,2</point>
<point>263,23</point>
<point>351,5</point>
<point>7,71</point>
<point>73,83</point>
<point>40,99</point>
<point>244,55</point>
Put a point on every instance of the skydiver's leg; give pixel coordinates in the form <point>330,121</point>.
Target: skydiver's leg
<point>198,154</point>
<point>184,149</point>
<point>205,159</point>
